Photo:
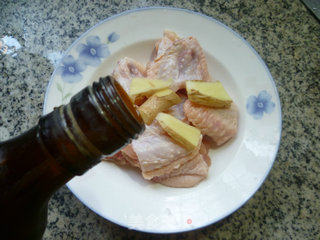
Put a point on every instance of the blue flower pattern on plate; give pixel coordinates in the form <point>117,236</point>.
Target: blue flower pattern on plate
<point>113,37</point>
<point>92,52</point>
<point>257,106</point>
<point>71,69</point>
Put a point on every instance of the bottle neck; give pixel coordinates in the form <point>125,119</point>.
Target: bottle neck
<point>98,121</point>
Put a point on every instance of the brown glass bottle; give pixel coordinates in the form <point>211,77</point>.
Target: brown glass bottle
<point>98,121</point>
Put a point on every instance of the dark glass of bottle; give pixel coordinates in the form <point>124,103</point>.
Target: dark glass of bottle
<point>98,121</point>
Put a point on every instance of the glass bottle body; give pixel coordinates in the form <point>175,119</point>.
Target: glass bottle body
<point>98,121</point>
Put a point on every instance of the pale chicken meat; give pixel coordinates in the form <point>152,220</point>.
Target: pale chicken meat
<point>188,175</point>
<point>130,156</point>
<point>219,124</point>
<point>125,70</point>
<point>164,43</point>
<point>177,110</point>
<point>183,60</point>
<point>117,158</point>
<point>158,154</point>
<point>125,156</point>
<point>204,151</point>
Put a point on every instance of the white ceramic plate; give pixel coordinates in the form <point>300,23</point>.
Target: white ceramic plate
<point>238,168</point>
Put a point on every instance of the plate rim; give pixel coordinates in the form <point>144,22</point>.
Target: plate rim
<point>236,34</point>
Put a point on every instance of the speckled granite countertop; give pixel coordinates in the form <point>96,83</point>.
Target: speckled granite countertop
<point>284,33</point>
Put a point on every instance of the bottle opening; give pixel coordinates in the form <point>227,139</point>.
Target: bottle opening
<point>127,101</point>
<point>120,107</point>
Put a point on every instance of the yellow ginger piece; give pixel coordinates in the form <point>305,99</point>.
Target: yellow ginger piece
<point>210,94</point>
<point>158,102</point>
<point>187,136</point>
<point>146,87</point>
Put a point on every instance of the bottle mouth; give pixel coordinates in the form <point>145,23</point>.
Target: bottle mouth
<point>121,107</point>
<point>126,99</point>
